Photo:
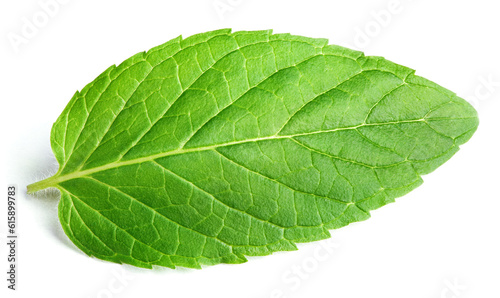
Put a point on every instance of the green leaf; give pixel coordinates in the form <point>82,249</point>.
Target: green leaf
<point>223,145</point>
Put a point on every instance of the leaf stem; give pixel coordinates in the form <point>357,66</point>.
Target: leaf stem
<point>43,184</point>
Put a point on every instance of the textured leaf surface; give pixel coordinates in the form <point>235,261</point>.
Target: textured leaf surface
<point>223,145</point>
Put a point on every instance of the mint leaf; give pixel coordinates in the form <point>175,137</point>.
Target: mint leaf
<point>223,145</point>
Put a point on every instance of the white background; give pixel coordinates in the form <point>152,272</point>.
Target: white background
<point>441,240</point>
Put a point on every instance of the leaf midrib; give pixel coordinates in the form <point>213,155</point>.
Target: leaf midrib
<point>56,179</point>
